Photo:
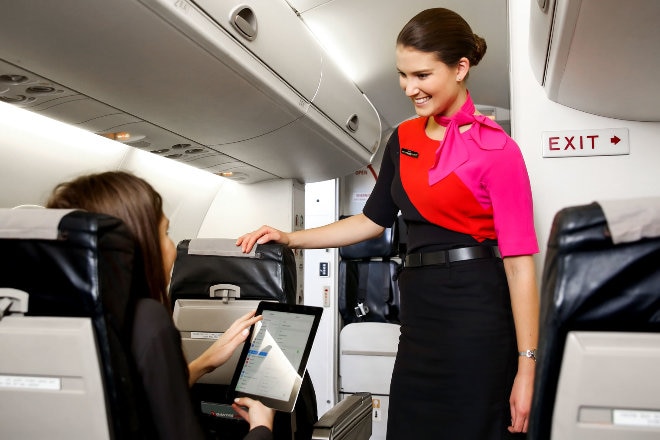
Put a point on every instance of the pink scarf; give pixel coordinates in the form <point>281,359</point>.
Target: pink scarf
<point>453,149</point>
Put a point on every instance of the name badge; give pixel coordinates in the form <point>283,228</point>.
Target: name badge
<point>411,153</point>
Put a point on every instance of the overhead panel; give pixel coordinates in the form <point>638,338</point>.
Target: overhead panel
<point>170,65</point>
<point>599,56</point>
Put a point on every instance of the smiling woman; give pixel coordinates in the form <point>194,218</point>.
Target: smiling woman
<point>461,186</point>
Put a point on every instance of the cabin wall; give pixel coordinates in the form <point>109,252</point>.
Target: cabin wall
<point>36,153</point>
<point>568,181</point>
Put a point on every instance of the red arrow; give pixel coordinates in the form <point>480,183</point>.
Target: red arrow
<point>615,140</point>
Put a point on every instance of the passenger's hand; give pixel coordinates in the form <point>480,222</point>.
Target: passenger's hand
<point>521,397</point>
<point>257,413</point>
<point>262,235</point>
<point>222,349</point>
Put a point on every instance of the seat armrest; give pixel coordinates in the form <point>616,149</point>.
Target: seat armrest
<point>348,419</point>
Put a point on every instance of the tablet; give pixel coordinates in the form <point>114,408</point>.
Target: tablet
<point>274,357</point>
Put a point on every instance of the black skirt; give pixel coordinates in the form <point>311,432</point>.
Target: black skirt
<point>457,355</point>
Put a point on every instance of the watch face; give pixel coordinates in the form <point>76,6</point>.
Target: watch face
<point>529,354</point>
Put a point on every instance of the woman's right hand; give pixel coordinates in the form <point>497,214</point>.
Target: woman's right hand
<point>254,412</point>
<point>262,235</point>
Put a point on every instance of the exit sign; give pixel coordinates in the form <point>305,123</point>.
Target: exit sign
<point>602,142</point>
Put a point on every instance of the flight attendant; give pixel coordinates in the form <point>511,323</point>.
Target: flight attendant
<point>469,301</point>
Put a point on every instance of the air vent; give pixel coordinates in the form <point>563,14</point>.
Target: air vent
<point>42,90</point>
<point>13,79</point>
<point>195,151</point>
<point>16,99</point>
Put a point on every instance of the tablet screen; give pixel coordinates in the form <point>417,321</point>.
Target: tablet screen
<point>274,357</point>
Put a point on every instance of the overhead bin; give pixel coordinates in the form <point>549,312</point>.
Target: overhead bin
<point>359,119</point>
<point>169,64</point>
<point>275,34</point>
<point>598,56</point>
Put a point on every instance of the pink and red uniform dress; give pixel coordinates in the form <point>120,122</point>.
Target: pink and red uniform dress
<point>457,354</point>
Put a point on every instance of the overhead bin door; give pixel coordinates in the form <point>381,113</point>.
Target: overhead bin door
<point>350,109</point>
<point>274,33</point>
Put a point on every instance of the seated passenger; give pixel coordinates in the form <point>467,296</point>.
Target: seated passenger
<point>156,343</point>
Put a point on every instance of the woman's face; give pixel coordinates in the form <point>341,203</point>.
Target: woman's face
<point>167,247</point>
<point>433,86</point>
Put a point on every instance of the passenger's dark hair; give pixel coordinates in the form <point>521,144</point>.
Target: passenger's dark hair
<point>445,33</point>
<point>130,199</point>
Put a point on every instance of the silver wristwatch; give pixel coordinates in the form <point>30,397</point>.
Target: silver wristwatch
<point>528,354</point>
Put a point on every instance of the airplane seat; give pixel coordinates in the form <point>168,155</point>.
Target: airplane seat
<point>599,341</point>
<point>368,290</point>
<point>213,284</point>
<point>366,360</point>
<point>369,306</point>
<point>68,284</point>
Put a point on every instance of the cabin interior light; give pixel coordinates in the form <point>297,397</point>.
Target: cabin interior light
<point>123,136</point>
<point>233,175</point>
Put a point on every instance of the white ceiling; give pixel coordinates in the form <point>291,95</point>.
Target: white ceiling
<point>361,35</point>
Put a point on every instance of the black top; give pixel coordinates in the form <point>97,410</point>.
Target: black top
<point>389,196</point>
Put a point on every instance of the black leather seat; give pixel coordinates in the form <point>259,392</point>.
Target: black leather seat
<point>368,291</point>
<point>213,283</point>
<point>82,275</point>
<point>599,346</point>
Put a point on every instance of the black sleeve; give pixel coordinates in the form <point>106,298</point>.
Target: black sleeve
<point>380,207</point>
<point>164,371</point>
<point>259,433</point>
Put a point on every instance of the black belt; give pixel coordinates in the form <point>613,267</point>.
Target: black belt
<point>451,256</point>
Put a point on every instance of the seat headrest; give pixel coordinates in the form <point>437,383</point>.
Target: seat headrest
<point>31,224</point>
<point>267,273</point>
<point>66,260</point>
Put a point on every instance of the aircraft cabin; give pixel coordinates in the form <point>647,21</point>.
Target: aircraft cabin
<point>278,112</point>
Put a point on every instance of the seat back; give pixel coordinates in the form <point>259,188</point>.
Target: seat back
<point>367,351</point>
<point>214,283</point>
<point>368,291</point>
<point>66,369</point>
<point>599,346</point>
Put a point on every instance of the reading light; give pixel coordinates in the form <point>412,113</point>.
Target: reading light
<point>123,136</point>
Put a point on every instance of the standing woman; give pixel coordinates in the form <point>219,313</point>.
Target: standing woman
<point>469,301</point>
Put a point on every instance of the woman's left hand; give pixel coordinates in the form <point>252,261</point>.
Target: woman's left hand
<point>254,412</point>
<point>521,396</point>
